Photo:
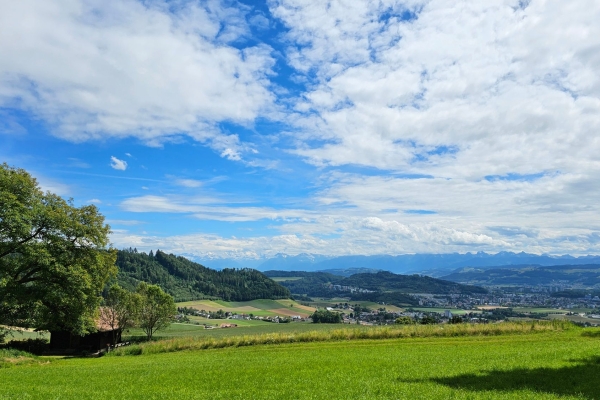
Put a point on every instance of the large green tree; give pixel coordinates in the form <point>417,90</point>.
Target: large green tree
<point>54,257</point>
<point>156,310</point>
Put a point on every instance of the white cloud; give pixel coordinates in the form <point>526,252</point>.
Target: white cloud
<point>207,208</point>
<point>190,183</point>
<point>95,201</point>
<point>117,164</point>
<point>509,90</point>
<point>153,70</point>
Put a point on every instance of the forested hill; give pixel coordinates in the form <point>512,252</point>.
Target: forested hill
<point>187,280</point>
<point>387,281</point>
<point>323,284</point>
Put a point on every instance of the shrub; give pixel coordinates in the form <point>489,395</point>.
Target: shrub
<point>34,346</point>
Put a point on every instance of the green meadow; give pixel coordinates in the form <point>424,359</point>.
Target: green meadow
<point>550,361</point>
<point>244,328</point>
<point>262,308</point>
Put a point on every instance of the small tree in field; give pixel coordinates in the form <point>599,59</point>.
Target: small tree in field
<point>156,309</point>
<point>120,309</point>
<point>405,320</point>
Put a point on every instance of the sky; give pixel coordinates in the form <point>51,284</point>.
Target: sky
<point>226,129</point>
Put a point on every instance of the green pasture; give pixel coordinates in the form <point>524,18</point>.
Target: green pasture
<point>262,308</point>
<point>285,278</point>
<point>574,318</point>
<point>544,365</point>
<point>321,302</point>
<point>27,334</point>
<point>540,310</point>
<point>454,311</point>
<point>244,328</point>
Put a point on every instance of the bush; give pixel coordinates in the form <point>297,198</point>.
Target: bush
<point>3,334</point>
<point>34,346</point>
<point>405,320</point>
<point>326,317</point>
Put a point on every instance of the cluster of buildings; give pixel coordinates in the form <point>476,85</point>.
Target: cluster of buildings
<point>507,299</point>
<point>351,289</point>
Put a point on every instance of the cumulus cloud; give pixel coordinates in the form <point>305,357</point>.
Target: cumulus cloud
<point>153,70</point>
<point>117,164</point>
<point>461,89</point>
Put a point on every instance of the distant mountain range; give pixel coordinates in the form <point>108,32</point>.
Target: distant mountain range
<point>435,265</point>
<point>583,276</point>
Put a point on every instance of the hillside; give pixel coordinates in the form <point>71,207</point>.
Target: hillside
<point>585,276</point>
<point>310,283</point>
<point>187,280</point>
<point>379,287</point>
<point>388,282</point>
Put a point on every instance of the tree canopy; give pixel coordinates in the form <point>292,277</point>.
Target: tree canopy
<point>186,280</point>
<point>54,257</point>
<point>156,310</point>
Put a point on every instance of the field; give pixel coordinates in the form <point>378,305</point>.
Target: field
<point>454,311</point>
<point>543,365</point>
<point>244,328</point>
<point>263,308</point>
<point>320,302</point>
<point>285,278</point>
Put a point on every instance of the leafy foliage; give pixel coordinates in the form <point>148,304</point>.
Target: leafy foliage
<point>54,259</point>
<point>156,309</point>
<point>326,317</point>
<point>120,309</point>
<point>187,280</point>
<point>405,320</point>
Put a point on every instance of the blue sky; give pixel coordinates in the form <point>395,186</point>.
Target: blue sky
<point>245,129</point>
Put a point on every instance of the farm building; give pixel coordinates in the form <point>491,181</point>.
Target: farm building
<point>62,341</point>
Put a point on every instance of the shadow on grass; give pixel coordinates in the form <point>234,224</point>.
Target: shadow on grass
<point>581,379</point>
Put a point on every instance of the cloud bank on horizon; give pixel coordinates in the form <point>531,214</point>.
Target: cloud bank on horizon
<point>245,129</point>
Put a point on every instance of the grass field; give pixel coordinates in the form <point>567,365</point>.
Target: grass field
<point>285,278</point>
<point>264,308</point>
<point>251,328</point>
<point>546,365</point>
<point>320,302</point>
<point>454,311</point>
<point>540,310</point>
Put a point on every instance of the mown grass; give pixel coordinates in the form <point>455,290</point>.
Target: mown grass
<point>345,333</point>
<point>549,364</point>
<point>255,328</point>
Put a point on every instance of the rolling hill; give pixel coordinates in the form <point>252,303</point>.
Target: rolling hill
<point>187,280</point>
